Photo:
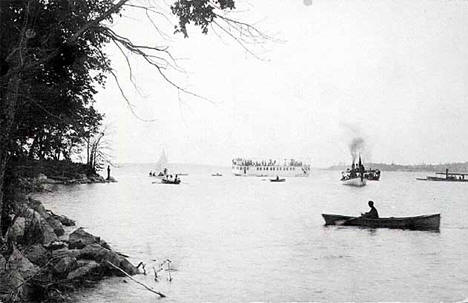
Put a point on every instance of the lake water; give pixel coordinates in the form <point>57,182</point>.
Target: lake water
<point>244,239</point>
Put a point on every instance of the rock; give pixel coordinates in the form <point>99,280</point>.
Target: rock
<point>56,225</point>
<point>55,245</point>
<point>97,178</point>
<point>87,270</point>
<point>80,238</point>
<point>37,254</point>
<point>65,221</point>
<point>64,266</point>
<point>11,281</point>
<point>103,255</point>
<point>105,245</point>
<point>128,267</point>
<point>18,262</point>
<point>39,230</point>
<point>98,253</point>
<point>37,206</point>
<point>16,232</point>
<point>65,252</point>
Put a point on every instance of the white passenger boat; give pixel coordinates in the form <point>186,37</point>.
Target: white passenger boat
<point>270,168</point>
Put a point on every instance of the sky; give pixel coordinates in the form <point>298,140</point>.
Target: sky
<point>394,73</point>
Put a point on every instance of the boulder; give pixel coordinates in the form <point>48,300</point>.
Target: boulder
<point>64,220</point>
<point>104,244</point>
<point>18,262</point>
<point>88,269</point>
<point>16,231</point>
<point>99,254</point>
<point>103,255</point>
<point>39,230</point>
<point>37,206</point>
<point>80,238</point>
<point>65,266</point>
<point>37,254</point>
<point>56,225</point>
<point>65,252</point>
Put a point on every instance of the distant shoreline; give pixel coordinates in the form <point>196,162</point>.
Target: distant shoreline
<point>452,167</point>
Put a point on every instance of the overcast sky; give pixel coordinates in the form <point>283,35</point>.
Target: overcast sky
<point>393,72</point>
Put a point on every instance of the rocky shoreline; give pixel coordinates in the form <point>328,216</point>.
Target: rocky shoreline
<point>43,259</point>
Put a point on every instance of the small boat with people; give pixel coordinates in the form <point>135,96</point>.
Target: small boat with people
<point>447,177</point>
<point>371,219</point>
<point>372,174</point>
<point>217,175</point>
<point>278,179</point>
<point>169,179</point>
<point>425,222</point>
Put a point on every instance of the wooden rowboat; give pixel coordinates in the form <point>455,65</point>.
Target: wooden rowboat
<point>277,180</point>
<point>426,222</point>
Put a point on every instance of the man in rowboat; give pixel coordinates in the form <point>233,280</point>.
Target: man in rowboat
<point>373,213</point>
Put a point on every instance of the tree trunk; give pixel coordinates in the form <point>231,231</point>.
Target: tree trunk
<point>8,106</point>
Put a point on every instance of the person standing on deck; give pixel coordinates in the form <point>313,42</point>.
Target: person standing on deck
<point>108,172</point>
<point>373,213</point>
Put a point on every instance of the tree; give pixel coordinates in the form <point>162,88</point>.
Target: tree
<point>51,58</point>
<point>98,148</point>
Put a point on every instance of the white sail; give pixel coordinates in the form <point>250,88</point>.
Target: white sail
<point>162,162</point>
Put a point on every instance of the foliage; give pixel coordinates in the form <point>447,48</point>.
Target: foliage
<point>200,12</point>
<point>52,60</point>
<point>58,79</point>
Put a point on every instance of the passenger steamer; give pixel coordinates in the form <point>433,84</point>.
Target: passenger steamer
<point>270,168</point>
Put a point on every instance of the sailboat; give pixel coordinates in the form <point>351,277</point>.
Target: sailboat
<point>161,166</point>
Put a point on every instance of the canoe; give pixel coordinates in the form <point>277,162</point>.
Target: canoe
<point>426,222</point>
<point>277,180</point>
<point>355,182</point>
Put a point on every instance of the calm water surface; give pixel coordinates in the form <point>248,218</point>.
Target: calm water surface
<point>235,239</point>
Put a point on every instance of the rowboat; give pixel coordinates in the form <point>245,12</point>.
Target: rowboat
<point>277,180</point>
<point>167,181</point>
<point>425,222</point>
